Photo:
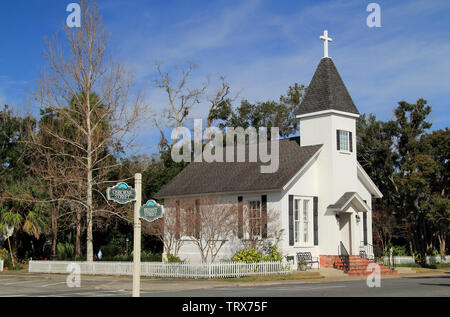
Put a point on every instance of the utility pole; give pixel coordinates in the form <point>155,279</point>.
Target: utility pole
<point>137,237</point>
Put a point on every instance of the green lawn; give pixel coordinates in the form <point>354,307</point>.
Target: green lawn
<point>281,277</point>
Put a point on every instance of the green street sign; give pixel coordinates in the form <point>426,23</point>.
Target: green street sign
<point>121,193</point>
<point>151,211</point>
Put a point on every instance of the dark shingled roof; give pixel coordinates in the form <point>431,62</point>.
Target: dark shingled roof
<point>326,91</point>
<point>342,201</point>
<point>210,178</point>
<point>350,196</point>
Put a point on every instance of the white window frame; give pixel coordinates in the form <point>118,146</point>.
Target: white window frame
<point>189,230</point>
<point>299,221</point>
<point>250,218</point>
<point>344,140</point>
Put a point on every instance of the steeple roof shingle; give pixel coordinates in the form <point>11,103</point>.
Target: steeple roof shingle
<point>326,91</point>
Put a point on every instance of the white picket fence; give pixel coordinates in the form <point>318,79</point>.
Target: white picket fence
<point>169,270</point>
<point>409,259</point>
<point>1,265</point>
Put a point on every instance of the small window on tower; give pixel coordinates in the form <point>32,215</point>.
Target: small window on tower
<point>344,141</point>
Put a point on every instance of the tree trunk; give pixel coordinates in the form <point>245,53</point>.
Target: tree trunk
<point>411,249</point>
<point>54,220</point>
<point>89,238</point>
<point>78,234</point>
<point>442,244</point>
<point>78,227</point>
<point>54,233</point>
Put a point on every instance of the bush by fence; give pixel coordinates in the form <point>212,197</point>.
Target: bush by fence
<point>170,270</point>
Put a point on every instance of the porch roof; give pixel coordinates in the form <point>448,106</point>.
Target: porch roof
<point>347,199</point>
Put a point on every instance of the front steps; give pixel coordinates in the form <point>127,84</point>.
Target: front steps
<point>357,266</point>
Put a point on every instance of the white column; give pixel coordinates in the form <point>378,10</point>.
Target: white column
<point>137,237</point>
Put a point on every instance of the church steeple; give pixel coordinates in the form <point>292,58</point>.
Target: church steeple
<point>327,91</point>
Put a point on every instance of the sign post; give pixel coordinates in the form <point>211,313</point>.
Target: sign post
<point>9,232</point>
<point>123,194</point>
<point>151,211</point>
<point>137,237</point>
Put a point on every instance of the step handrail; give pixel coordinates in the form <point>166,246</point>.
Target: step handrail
<point>344,256</point>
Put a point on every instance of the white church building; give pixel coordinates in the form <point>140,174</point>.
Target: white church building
<point>321,195</point>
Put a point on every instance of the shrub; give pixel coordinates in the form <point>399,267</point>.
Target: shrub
<point>6,257</point>
<point>145,257</point>
<point>247,256</point>
<point>110,251</point>
<point>151,257</point>
<point>435,253</point>
<point>273,255</point>
<point>16,267</point>
<point>65,251</point>
<point>400,250</point>
<point>173,259</point>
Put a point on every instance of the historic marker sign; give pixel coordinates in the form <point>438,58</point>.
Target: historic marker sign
<point>121,193</point>
<point>151,211</point>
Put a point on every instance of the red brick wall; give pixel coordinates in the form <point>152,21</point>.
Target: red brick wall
<point>328,260</point>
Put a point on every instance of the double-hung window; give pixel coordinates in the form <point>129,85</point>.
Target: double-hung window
<point>302,221</point>
<point>189,222</point>
<point>254,218</point>
<point>344,141</point>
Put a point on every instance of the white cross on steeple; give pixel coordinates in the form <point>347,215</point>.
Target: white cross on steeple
<point>325,39</point>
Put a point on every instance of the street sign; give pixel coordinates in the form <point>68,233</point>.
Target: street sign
<point>121,193</point>
<point>151,211</point>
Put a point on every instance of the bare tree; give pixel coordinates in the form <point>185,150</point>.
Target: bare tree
<point>219,97</point>
<point>91,93</point>
<point>220,103</point>
<point>181,98</point>
<point>168,229</point>
<point>163,143</point>
<point>210,224</point>
<point>259,226</point>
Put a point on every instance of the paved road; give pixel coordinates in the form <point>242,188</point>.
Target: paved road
<point>55,286</point>
<point>436,286</point>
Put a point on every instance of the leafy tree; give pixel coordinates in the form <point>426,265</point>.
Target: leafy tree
<point>17,186</point>
<point>414,171</point>
<point>160,172</point>
<point>438,145</point>
<point>261,114</point>
<point>410,166</point>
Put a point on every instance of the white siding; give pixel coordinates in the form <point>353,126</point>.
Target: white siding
<point>328,176</point>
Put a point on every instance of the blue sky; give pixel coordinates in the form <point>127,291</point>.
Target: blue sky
<point>260,46</point>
